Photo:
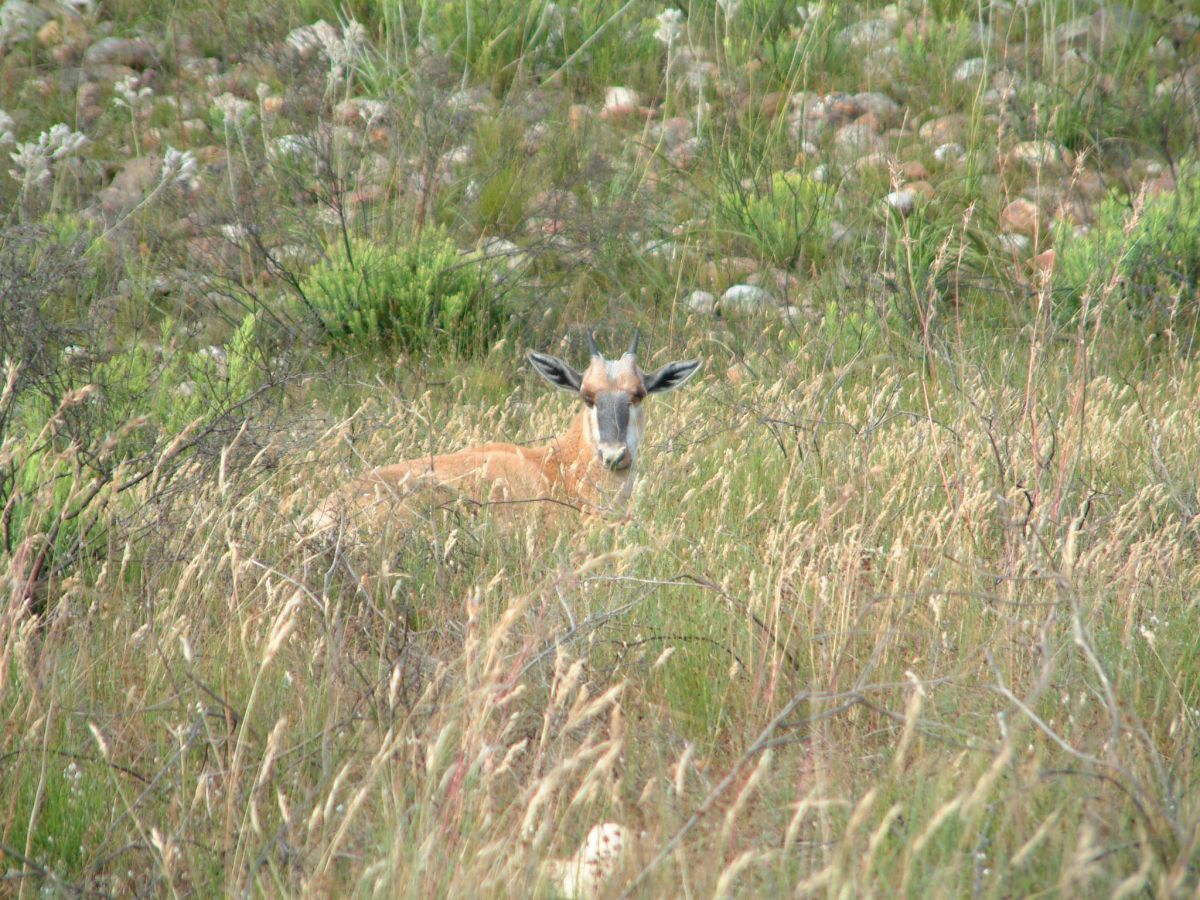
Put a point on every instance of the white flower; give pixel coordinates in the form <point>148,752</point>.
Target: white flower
<point>235,233</point>
<point>308,38</point>
<point>129,94</point>
<point>62,142</point>
<point>344,50</point>
<point>179,166</point>
<point>670,26</point>
<point>33,163</point>
<point>290,145</point>
<point>234,110</point>
<point>729,7</point>
<point>6,129</point>
<point>372,111</point>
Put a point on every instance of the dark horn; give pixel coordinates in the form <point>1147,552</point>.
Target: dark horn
<point>632,351</point>
<point>592,344</point>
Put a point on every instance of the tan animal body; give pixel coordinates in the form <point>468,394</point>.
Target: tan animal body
<point>589,467</point>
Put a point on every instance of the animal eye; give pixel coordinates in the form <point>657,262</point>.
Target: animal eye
<point>589,401</point>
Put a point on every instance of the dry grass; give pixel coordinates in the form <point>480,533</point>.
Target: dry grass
<point>936,635</point>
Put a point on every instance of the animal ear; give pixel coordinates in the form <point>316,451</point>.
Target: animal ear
<point>671,376</point>
<point>555,371</point>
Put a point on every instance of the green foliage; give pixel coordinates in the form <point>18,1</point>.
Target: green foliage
<point>172,386</point>
<point>121,410</point>
<point>1152,254</point>
<point>786,220</point>
<point>933,257</point>
<point>418,296</point>
<point>67,809</point>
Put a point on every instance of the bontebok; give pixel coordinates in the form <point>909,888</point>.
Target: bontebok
<point>590,466</point>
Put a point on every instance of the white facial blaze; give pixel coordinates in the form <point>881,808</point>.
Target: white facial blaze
<point>633,436</point>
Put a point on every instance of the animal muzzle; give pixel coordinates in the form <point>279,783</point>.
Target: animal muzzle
<point>614,456</point>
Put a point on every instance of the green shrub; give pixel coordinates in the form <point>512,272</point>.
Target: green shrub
<point>785,221</point>
<point>64,456</point>
<point>424,294</point>
<point>1153,253</point>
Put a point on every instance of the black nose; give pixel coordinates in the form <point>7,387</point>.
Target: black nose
<point>615,457</point>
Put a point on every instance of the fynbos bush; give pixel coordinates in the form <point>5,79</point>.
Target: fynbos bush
<point>786,220</point>
<point>1152,253</point>
<point>416,296</point>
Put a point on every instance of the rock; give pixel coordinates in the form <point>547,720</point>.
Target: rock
<point>883,107</point>
<point>772,103</point>
<point>136,179</point>
<point>89,93</point>
<point>1044,262</point>
<point>1164,51</point>
<point>944,129</point>
<point>673,131</point>
<point>499,248</point>
<point>686,154</point>
<point>970,69</point>
<point>1184,28</point>
<point>919,189</point>
<point>1016,244</point>
<point>114,51</point>
<point>1163,183</point>
<point>914,171</point>
<point>868,33</point>
<point>50,34</point>
<point>620,103</point>
<point>20,19</point>
<point>1111,25</point>
<point>1020,217</point>
<point>1041,153</point>
<point>807,151</point>
<point>778,282</point>
<point>855,140</point>
<point>871,121</point>
<point>746,298</point>
<point>949,153</point>
<point>1182,87</point>
<point>1089,184</point>
<point>875,161</point>
<point>902,201</point>
<point>841,108</point>
<point>701,302</point>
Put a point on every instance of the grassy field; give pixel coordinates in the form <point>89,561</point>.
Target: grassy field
<point>907,598</point>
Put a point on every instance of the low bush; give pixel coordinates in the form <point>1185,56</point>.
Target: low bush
<point>415,297</point>
<point>786,220</point>
<point>1151,254</point>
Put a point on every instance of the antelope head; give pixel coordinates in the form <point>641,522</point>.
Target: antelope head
<point>613,391</point>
